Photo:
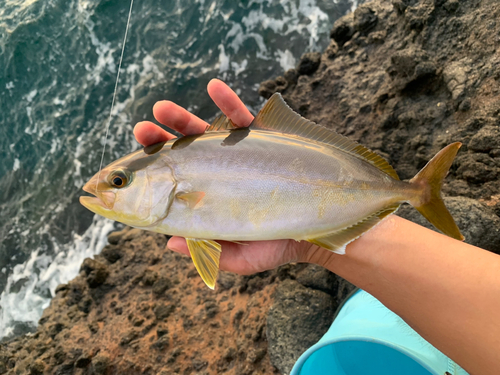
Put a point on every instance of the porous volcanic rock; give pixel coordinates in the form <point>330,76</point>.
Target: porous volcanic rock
<point>139,308</point>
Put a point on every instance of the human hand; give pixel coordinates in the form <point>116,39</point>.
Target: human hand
<point>250,257</point>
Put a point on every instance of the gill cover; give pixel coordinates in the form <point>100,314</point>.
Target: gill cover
<point>136,190</point>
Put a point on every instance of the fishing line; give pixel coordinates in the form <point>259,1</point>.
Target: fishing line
<point>114,93</point>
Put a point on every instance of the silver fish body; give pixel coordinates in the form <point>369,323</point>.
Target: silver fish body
<point>273,186</point>
<point>284,177</point>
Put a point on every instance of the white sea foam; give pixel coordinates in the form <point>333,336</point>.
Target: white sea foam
<point>223,59</point>
<point>41,274</point>
<point>286,59</point>
<point>17,164</point>
<point>239,68</point>
<point>31,95</point>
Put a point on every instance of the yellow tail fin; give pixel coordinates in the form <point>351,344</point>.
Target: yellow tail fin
<point>430,180</point>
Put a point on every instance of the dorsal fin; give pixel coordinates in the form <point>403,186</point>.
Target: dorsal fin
<point>221,123</point>
<point>276,115</point>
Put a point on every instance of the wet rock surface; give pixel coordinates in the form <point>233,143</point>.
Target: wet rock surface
<point>404,78</point>
<point>147,311</point>
<point>297,311</point>
<point>303,308</point>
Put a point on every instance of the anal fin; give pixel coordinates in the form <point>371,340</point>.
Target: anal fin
<point>206,255</point>
<point>337,241</point>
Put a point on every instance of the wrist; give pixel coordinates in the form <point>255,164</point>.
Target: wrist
<point>307,252</point>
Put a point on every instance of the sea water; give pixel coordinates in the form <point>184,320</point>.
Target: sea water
<point>58,65</point>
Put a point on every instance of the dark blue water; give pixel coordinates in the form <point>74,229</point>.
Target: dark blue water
<point>58,65</point>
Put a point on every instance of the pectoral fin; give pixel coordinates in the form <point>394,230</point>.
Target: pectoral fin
<point>192,199</point>
<point>205,254</point>
<point>337,241</point>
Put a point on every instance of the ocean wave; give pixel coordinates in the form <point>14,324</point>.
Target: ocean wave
<point>32,284</point>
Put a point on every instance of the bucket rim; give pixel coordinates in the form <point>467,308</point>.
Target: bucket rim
<point>304,356</point>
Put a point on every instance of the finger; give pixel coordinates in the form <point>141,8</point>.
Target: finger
<point>229,260</point>
<point>229,103</point>
<point>177,118</point>
<point>245,259</point>
<point>148,133</point>
<point>178,244</point>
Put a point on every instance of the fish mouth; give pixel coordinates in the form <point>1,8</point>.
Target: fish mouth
<point>92,203</point>
<point>100,200</point>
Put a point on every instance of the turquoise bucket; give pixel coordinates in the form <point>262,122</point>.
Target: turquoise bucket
<point>366,338</point>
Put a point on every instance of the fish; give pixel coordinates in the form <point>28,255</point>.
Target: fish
<point>283,177</point>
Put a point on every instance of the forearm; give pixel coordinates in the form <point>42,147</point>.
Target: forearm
<point>448,291</point>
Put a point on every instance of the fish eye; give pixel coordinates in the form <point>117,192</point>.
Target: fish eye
<point>119,179</point>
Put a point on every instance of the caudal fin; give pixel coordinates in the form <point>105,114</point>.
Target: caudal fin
<point>430,180</point>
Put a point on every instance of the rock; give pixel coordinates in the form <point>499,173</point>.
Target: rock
<point>365,19</point>
<point>401,5</point>
<point>297,312</point>
<point>332,49</point>
<point>161,285</point>
<point>199,364</point>
<point>226,280</point>
<point>37,367</point>
<point>465,105</point>
<point>291,75</point>
<point>267,88</point>
<point>478,223</point>
<point>115,237</point>
<point>162,331</point>
<point>163,311</point>
<point>377,37</point>
<point>76,291</point>
<point>96,272</point>
<point>54,329</point>
<point>111,253</point>
<point>452,5</point>
<point>100,364</point>
<point>161,343</point>
<point>319,278</point>
<point>478,168</point>
<point>309,63</point>
<point>418,13</point>
<point>128,337</point>
<point>343,30</point>
<point>211,309</point>
<point>410,65</point>
<point>455,77</point>
<point>149,277</point>
<point>83,361</point>
<point>281,83</point>
<point>131,233</point>
<point>486,139</point>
